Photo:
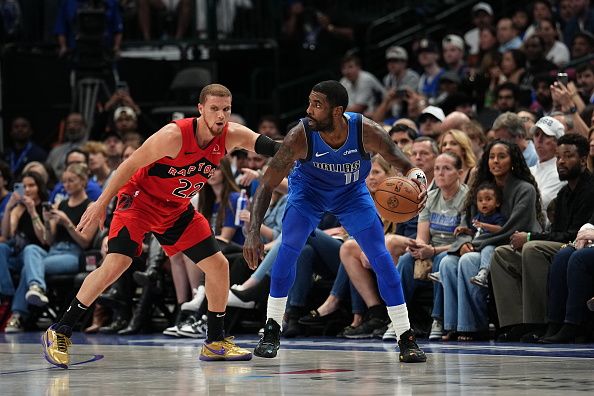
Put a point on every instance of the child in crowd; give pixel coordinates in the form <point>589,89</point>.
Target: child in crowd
<point>487,220</point>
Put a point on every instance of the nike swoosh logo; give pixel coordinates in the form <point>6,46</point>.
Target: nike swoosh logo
<point>220,316</point>
<point>216,351</point>
<point>321,154</point>
<point>81,307</point>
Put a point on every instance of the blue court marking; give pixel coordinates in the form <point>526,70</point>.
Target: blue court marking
<point>582,351</point>
<point>93,359</point>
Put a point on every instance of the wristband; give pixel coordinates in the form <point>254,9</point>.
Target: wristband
<point>528,237</point>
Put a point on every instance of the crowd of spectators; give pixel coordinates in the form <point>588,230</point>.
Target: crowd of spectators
<point>499,117</point>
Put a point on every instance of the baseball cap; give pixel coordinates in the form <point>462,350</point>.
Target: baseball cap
<point>434,111</point>
<point>397,53</point>
<point>426,45</point>
<point>550,126</point>
<point>482,6</point>
<point>453,39</point>
<point>124,110</point>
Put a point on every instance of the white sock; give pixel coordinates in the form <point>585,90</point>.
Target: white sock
<point>399,316</point>
<point>276,309</point>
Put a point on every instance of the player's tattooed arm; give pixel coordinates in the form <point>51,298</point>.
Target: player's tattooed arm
<point>377,140</point>
<point>293,148</point>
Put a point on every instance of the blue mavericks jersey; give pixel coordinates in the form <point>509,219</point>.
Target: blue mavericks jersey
<point>331,169</point>
<point>333,180</point>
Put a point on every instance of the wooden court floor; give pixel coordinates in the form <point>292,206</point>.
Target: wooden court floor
<point>158,365</point>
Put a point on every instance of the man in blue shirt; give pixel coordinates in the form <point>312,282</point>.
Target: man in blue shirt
<point>331,152</point>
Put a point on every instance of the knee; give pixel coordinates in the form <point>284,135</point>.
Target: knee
<point>395,244</point>
<point>349,248</point>
<point>448,268</point>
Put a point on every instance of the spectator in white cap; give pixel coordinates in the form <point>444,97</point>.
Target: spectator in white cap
<point>398,80</point>
<point>125,120</point>
<point>430,121</point>
<point>482,17</point>
<point>546,132</point>
<point>452,47</point>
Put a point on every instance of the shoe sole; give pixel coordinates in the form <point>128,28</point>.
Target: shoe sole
<point>223,359</point>
<point>435,337</point>
<point>389,338</point>
<point>358,336</point>
<point>46,356</point>
<point>413,359</point>
<point>172,333</point>
<point>36,300</point>
<point>266,355</point>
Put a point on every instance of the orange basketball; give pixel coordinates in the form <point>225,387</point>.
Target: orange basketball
<point>397,199</point>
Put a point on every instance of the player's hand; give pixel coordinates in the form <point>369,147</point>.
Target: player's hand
<point>93,217</point>
<point>253,250</point>
<point>422,196</point>
<point>419,177</point>
<point>247,177</point>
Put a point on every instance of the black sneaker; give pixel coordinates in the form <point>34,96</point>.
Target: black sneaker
<point>409,350</point>
<point>270,341</point>
<point>366,329</point>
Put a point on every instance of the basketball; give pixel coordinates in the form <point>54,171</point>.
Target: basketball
<point>397,199</point>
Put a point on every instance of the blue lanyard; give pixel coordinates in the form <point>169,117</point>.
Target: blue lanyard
<point>15,165</point>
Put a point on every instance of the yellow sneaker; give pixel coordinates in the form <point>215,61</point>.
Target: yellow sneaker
<point>224,350</point>
<point>55,346</point>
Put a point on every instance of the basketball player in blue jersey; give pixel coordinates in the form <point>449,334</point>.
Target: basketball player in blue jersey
<point>330,150</point>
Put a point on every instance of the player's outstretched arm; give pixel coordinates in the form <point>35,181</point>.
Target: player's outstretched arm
<point>293,148</point>
<point>164,143</point>
<point>242,137</point>
<point>376,140</point>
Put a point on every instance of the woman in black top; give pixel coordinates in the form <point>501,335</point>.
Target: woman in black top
<point>66,245</point>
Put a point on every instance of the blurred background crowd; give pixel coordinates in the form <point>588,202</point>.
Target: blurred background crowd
<point>493,100</point>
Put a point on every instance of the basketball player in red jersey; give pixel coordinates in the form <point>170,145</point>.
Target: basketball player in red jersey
<point>154,187</point>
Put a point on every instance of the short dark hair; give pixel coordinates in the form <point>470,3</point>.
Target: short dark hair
<point>579,141</point>
<point>585,66</point>
<point>509,86</point>
<point>412,134</point>
<point>76,150</point>
<point>335,92</point>
<point>488,185</point>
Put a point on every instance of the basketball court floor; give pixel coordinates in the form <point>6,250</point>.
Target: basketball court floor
<point>155,364</point>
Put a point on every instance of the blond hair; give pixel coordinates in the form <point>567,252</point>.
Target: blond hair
<point>468,157</point>
<point>80,170</point>
<point>94,147</point>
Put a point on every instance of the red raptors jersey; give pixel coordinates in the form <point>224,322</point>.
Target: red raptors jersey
<point>177,180</point>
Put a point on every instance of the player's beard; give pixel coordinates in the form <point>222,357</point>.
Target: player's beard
<point>326,126</point>
<point>213,131</point>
